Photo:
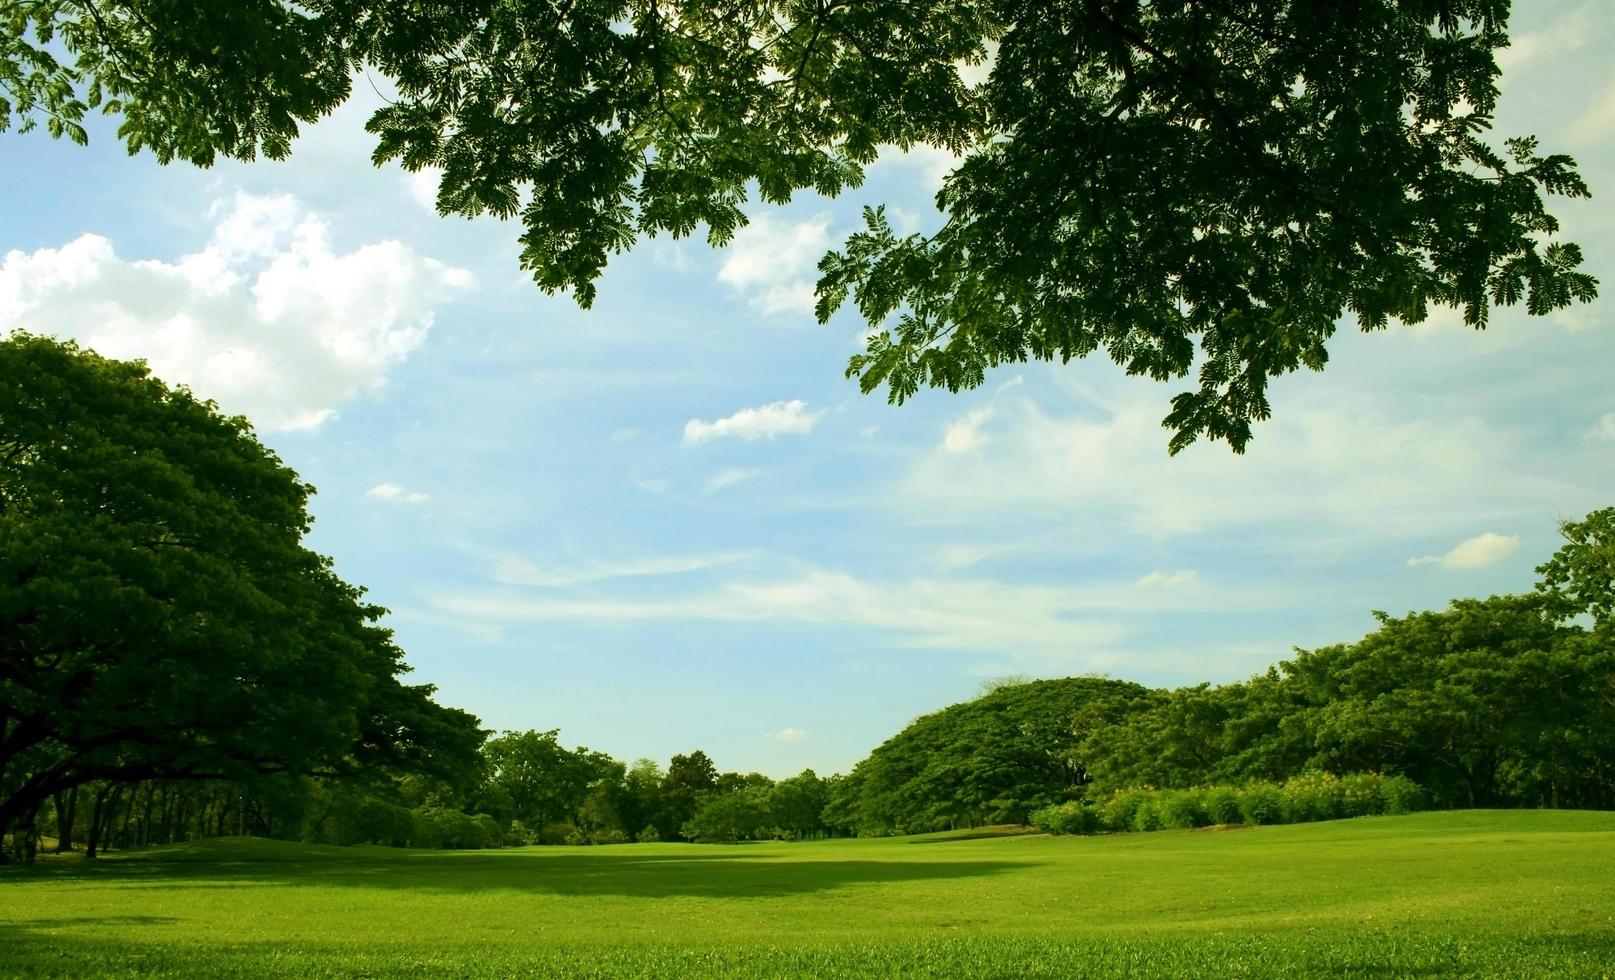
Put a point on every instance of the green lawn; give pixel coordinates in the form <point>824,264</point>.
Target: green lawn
<point>1506,893</point>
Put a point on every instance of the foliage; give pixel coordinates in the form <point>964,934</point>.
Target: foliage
<point>1580,577</point>
<point>1211,183</point>
<point>160,617</point>
<point>530,776</point>
<point>1309,797</point>
<point>991,760</point>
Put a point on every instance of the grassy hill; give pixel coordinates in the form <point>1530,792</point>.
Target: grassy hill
<point>1516,893</point>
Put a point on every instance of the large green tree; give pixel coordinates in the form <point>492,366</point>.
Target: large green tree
<point>160,617</point>
<point>1189,185</point>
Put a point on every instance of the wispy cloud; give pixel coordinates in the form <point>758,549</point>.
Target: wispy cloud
<point>1480,551</point>
<point>1075,626</point>
<point>763,422</point>
<point>788,735</point>
<point>726,478</point>
<point>395,494</point>
<point>513,570</point>
<point>1169,580</point>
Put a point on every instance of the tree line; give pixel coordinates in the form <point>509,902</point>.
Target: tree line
<point>1507,701</point>
<point>175,664</point>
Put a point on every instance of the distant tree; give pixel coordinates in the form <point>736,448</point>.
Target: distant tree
<point>1487,702</point>
<point>1195,185</point>
<point>160,617</point>
<point>544,782</point>
<point>641,797</point>
<point>742,813</point>
<point>797,804</point>
<point>689,777</point>
<point>990,760</point>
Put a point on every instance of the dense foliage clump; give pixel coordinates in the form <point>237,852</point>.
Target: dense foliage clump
<point>1190,187</point>
<point>1306,798</point>
<point>160,617</point>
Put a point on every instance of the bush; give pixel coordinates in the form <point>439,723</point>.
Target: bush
<point>1067,818</point>
<point>1308,797</point>
<point>1360,795</point>
<point>1312,796</point>
<point>1147,816</point>
<point>1402,795</point>
<point>612,836</point>
<point>650,835</point>
<point>1181,809</point>
<point>1261,803</point>
<point>1117,812</point>
<point>1222,805</point>
<point>554,833</point>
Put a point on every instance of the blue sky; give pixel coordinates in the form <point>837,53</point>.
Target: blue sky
<point>668,523</point>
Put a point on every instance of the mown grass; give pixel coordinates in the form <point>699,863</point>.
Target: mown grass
<point>1501,893</point>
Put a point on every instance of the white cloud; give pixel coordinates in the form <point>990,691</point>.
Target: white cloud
<point>266,318</point>
<point>1480,551</point>
<point>729,477</point>
<point>762,422</point>
<point>774,263</point>
<point>1168,580</point>
<point>512,570</point>
<point>393,493</point>
<point>964,435</point>
<point>789,735</point>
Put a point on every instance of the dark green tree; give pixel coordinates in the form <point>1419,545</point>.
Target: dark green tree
<point>1176,182</point>
<point>531,777</point>
<point>688,779</point>
<point>991,760</point>
<point>160,617</point>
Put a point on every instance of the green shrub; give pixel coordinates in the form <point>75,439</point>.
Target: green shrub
<point>1066,818</point>
<point>1117,812</point>
<point>1181,809</point>
<point>554,833</point>
<point>1147,816</point>
<point>1222,805</point>
<point>612,836</point>
<point>1261,803</point>
<point>1312,796</point>
<point>1402,795</point>
<point>650,835</point>
<point>1360,795</point>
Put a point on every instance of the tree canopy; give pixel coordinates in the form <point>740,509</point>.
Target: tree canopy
<point>160,617</point>
<point>1194,186</point>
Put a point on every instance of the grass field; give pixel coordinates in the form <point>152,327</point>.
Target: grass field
<point>1497,893</point>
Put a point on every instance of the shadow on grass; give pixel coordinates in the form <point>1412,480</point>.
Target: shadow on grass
<point>715,872</point>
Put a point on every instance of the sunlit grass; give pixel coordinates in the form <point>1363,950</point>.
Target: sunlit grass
<point>1499,893</point>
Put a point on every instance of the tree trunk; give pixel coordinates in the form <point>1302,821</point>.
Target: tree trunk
<point>92,844</point>
<point>66,810</point>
